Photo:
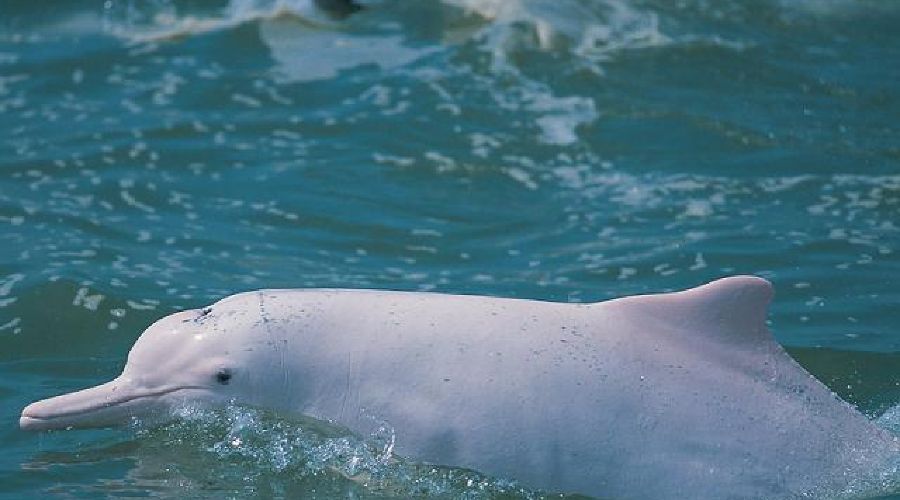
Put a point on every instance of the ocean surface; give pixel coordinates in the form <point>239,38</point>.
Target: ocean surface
<point>159,155</point>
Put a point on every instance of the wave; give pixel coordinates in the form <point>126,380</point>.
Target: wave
<point>591,29</point>
<point>309,42</point>
<point>595,30</point>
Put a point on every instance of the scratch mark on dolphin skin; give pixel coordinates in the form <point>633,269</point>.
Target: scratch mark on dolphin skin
<point>266,324</point>
<point>203,316</point>
<point>200,318</point>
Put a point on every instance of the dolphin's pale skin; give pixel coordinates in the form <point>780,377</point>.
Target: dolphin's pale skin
<point>676,395</point>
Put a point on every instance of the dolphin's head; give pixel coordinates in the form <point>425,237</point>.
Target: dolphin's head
<point>191,357</point>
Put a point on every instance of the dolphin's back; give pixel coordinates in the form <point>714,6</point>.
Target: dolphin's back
<point>639,397</point>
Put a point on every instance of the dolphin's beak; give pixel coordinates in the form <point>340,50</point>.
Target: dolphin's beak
<point>109,404</point>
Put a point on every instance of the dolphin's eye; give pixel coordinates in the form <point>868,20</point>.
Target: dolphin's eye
<point>223,376</point>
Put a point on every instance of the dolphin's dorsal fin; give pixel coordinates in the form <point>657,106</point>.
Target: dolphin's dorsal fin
<point>730,309</point>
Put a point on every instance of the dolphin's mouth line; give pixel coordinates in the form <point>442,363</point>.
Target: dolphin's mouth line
<point>107,404</point>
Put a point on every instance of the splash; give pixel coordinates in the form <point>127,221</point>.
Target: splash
<point>883,478</point>
<point>890,420</point>
<point>296,449</point>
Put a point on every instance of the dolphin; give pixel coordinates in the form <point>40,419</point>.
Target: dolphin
<point>674,395</point>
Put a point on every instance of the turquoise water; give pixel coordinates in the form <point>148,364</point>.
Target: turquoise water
<point>160,155</point>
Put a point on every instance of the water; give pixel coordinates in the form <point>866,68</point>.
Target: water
<point>160,155</point>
